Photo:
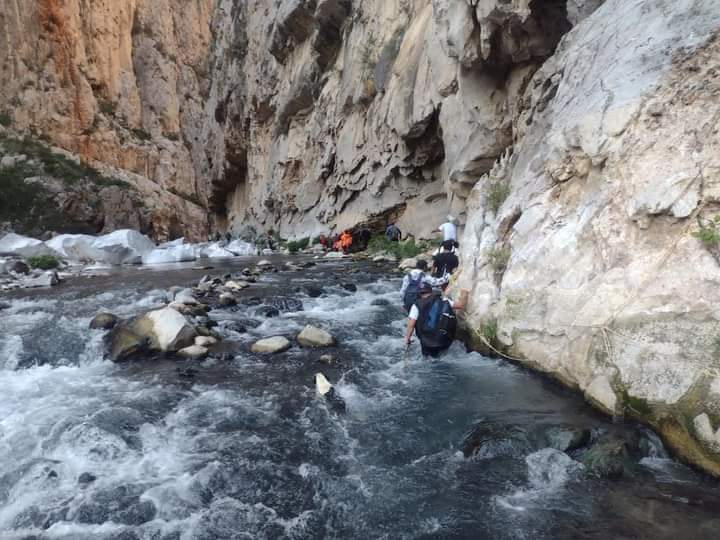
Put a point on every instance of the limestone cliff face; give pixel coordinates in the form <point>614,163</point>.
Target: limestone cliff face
<point>576,140</point>
<point>589,266</point>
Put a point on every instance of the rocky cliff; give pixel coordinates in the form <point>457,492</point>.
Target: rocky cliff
<point>576,139</point>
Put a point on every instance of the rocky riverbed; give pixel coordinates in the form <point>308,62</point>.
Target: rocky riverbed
<point>236,443</point>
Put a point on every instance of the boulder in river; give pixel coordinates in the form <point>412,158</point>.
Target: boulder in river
<point>408,264</point>
<point>349,287</point>
<point>226,300</point>
<point>193,352</point>
<point>205,341</point>
<point>104,321</point>
<point>567,438</point>
<point>611,456</point>
<point>313,291</point>
<point>237,285</point>
<point>185,296</point>
<point>312,336</point>
<point>86,478</point>
<point>490,440</point>
<point>271,345</point>
<point>164,330</point>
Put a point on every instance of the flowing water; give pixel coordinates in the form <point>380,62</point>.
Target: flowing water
<point>244,448</point>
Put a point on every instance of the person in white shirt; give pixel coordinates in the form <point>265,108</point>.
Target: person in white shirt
<point>449,230</point>
<point>414,280</point>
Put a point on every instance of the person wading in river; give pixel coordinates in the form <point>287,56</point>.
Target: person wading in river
<point>412,282</point>
<point>432,318</point>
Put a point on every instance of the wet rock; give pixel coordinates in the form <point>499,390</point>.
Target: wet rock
<point>408,264</point>
<point>205,341</point>
<point>197,310</point>
<point>384,258</point>
<point>237,285</point>
<point>19,267</point>
<point>104,321</point>
<point>313,291</point>
<point>253,301</point>
<point>207,322</point>
<point>264,263</point>
<point>186,297</point>
<point>4,305</point>
<point>47,279</point>
<point>124,344</point>
<point>328,359</point>
<point>86,478</point>
<point>226,300</point>
<point>267,311</point>
<point>327,390</point>
<point>335,255</point>
<point>187,373</point>
<point>164,330</point>
<point>610,457</point>
<point>236,327</point>
<point>312,336</point>
<point>349,287</point>
<point>193,352</point>
<point>380,302</point>
<point>487,440</point>
<point>567,438</point>
<point>271,345</point>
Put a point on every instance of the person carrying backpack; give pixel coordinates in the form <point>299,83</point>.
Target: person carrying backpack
<point>412,282</point>
<point>445,261</point>
<point>432,318</point>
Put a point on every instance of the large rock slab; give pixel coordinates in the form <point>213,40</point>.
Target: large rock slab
<point>76,247</point>
<point>123,247</point>
<point>24,246</point>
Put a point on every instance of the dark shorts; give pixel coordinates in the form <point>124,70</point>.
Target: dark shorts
<point>433,352</point>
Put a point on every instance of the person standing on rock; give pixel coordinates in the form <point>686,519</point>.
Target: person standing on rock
<point>392,233</point>
<point>413,281</point>
<point>449,230</point>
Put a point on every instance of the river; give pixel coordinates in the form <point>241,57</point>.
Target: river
<point>242,447</point>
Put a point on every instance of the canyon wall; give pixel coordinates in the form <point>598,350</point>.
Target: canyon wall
<point>576,140</point>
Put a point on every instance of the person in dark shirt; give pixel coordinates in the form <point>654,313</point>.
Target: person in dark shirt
<point>445,262</point>
<point>392,232</point>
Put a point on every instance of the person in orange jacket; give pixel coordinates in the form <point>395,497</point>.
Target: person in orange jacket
<point>346,241</point>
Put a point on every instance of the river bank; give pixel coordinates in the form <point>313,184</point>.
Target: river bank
<point>170,448</point>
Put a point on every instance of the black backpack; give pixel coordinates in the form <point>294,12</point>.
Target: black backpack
<point>412,291</point>
<point>436,324</point>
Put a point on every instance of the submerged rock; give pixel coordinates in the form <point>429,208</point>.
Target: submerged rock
<point>489,440</point>
<point>271,345</point>
<point>19,267</point>
<point>567,438</point>
<point>104,321</point>
<point>312,336</point>
<point>313,291</point>
<point>86,478</point>
<point>611,456</point>
<point>349,287</point>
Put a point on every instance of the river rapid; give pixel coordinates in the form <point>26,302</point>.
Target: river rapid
<point>241,446</point>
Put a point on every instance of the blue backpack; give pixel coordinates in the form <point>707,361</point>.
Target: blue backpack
<point>412,291</point>
<point>436,324</point>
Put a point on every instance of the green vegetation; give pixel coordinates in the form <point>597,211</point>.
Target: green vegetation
<point>498,191</point>
<point>44,262</point>
<point>5,119</point>
<point>402,250</point>
<point>296,245</point>
<point>498,258</point>
<point>709,234</point>
<point>488,330</point>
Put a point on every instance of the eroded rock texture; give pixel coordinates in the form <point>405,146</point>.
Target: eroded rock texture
<point>590,266</point>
